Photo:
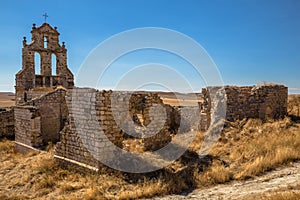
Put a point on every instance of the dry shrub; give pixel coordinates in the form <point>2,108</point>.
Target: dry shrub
<point>102,187</point>
<point>294,105</point>
<point>47,166</point>
<point>13,197</point>
<point>144,190</point>
<point>217,173</point>
<point>93,194</point>
<point>252,124</point>
<point>197,142</point>
<point>67,187</point>
<point>46,181</point>
<point>165,183</point>
<point>32,153</point>
<point>266,152</point>
<point>6,146</point>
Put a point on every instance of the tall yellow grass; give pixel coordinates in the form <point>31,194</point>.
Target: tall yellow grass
<point>246,149</point>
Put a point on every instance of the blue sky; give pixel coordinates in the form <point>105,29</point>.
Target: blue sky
<point>250,41</point>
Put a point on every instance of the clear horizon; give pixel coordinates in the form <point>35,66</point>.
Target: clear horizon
<point>250,41</point>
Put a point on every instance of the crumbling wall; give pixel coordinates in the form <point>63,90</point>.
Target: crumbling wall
<point>105,118</point>
<point>53,109</point>
<point>27,128</point>
<point>39,121</point>
<point>154,121</point>
<point>276,102</point>
<point>263,102</point>
<point>99,118</point>
<point>7,123</point>
<point>189,117</point>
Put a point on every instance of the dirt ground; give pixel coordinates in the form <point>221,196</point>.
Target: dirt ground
<point>276,180</point>
<point>7,99</point>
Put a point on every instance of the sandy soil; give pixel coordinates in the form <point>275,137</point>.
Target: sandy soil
<point>180,102</point>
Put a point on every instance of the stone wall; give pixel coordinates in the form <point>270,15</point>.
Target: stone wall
<point>7,123</point>
<point>39,121</point>
<point>263,102</point>
<point>188,117</point>
<point>26,96</point>
<point>27,127</point>
<point>99,118</point>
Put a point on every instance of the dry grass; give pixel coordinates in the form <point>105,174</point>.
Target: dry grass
<point>217,173</point>
<point>246,149</point>
<point>37,175</point>
<point>13,197</point>
<point>6,146</point>
<point>294,106</point>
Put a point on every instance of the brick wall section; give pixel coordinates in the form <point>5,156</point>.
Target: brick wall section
<point>27,126</point>
<point>81,137</point>
<point>84,136</point>
<point>39,121</point>
<point>71,147</point>
<point>263,102</point>
<point>7,123</point>
<point>53,109</point>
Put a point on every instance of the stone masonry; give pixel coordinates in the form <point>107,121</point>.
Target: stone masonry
<point>7,123</point>
<point>45,43</point>
<point>263,102</point>
<point>39,121</point>
<point>41,110</point>
<point>105,118</point>
<point>112,117</point>
<point>27,128</point>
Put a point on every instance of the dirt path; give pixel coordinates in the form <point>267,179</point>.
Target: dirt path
<point>276,179</point>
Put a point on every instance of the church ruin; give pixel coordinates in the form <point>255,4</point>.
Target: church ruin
<point>41,85</point>
<point>46,54</point>
<point>45,92</point>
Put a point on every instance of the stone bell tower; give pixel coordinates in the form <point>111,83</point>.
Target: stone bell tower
<point>43,52</point>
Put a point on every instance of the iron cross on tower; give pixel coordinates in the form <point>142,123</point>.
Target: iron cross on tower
<point>45,15</point>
